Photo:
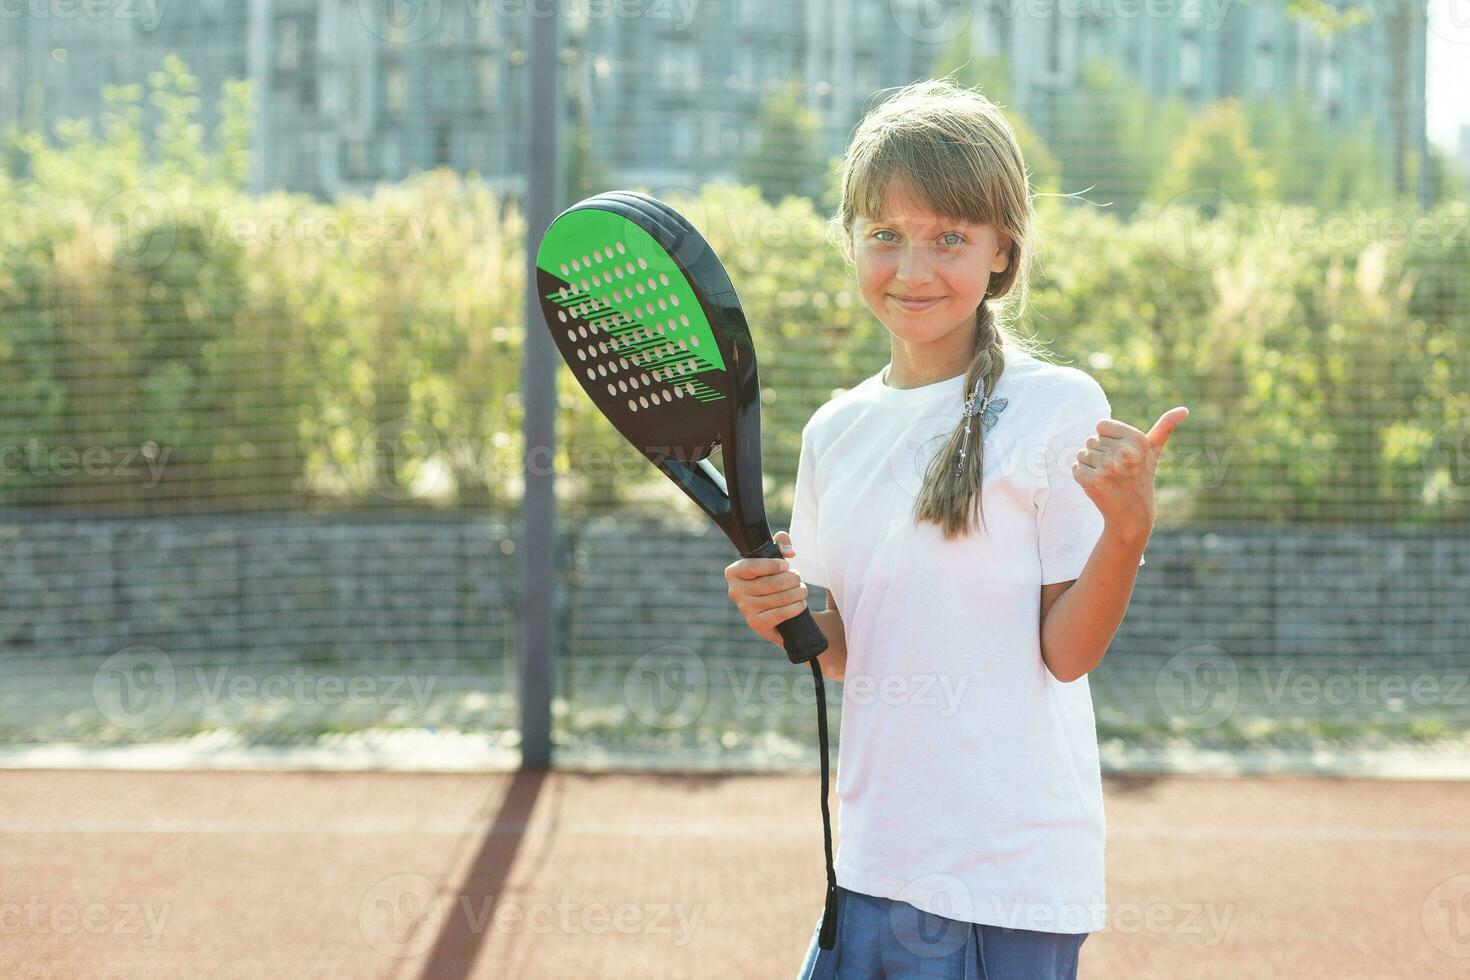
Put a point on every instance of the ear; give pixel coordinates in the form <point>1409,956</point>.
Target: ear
<point>1002,253</point>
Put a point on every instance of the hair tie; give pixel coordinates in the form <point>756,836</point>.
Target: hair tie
<point>988,409</point>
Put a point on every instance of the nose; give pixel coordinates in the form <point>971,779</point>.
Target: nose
<point>913,265</point>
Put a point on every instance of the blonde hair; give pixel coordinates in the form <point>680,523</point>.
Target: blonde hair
<point>957,153</point>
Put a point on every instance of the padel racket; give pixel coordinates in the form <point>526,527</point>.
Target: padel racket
<point>645,316</point>
<point>647,319</point>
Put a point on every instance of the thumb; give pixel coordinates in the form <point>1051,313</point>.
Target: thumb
<point>783,539</point>
<point>1165,426</point>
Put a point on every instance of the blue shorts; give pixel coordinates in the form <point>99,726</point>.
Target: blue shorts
<point>885,938</point>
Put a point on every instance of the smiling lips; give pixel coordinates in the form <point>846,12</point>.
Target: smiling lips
<point>915,303</point>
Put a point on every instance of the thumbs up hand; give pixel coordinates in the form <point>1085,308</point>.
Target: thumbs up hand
<point>1115,468</point>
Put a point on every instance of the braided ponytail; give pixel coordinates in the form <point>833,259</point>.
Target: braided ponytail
<point>951,492</point>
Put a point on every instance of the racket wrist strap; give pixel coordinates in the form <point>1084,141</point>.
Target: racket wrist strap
<point>828,936</point>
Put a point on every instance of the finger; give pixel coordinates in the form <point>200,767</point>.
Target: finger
<point>1115,429</point>
<point>774,584</point>
<point>780,614</point>
<point>754,568</point>
<point>1165,426</point>
<point>766,585</point>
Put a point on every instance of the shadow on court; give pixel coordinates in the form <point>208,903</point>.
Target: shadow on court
<point>566,874</point>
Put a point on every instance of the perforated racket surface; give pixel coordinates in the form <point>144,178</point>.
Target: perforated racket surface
<point>645,316</point>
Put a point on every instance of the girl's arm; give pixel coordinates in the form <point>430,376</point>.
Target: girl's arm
<point>1078,624</point>
<point>834,661</point>
<point>1115,468</point>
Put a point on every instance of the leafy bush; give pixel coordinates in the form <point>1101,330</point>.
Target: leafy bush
<point>278,351</point>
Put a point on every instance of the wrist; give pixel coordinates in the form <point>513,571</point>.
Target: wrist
<point>1132,537</point>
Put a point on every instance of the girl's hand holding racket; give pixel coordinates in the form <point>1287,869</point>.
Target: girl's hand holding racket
<point>766,591</point>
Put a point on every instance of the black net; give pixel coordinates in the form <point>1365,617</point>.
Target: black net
<point>262,294</point>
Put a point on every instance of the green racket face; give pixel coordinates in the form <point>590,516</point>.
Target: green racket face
<point>648,321</point>
<point>627,320</point>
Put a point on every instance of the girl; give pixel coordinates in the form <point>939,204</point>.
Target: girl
<point>970,797</point>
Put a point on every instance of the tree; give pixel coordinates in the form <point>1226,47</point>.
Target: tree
<point>1215,153</point>
<point>1111,139</point>
<point>787,157</point>
<point>1447,181</point>
<point>1294,142</point>
<point>1355,176</point>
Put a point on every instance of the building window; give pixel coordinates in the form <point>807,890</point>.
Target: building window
<point>1265,73</point>
<point>679,70</point>
<point>489,76</point>
<point>1054,45</point>
<point>392,156</point>
<point>397,92</point>
<point>680,138</point>
<point>288,49</point>
<point>485,25</point>
<point>1189,72</point>
<point>441,144</point>
<point>1331,80</point>
<point>357,158</point>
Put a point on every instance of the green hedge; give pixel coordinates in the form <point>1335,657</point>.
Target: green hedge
<point>259,359</point>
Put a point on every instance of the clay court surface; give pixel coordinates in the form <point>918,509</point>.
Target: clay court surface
<point>577,875</point>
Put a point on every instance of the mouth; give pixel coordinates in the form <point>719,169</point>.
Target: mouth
<point>915,303</point>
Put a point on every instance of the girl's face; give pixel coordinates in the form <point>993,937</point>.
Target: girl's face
<point>922,275</point>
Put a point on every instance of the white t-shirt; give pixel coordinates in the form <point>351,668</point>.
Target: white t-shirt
<point>968,777</point>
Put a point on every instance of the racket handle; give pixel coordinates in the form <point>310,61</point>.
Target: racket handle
<point>802,637</point>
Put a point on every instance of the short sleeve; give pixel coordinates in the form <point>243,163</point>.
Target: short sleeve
<point>805,529</point>
<point>1068,522</point>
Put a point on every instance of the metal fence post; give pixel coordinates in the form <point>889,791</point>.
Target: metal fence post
<point>537,557</point>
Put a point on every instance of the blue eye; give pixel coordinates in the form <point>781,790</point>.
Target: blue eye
<point>883,231</point>
<point>958,238</point>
